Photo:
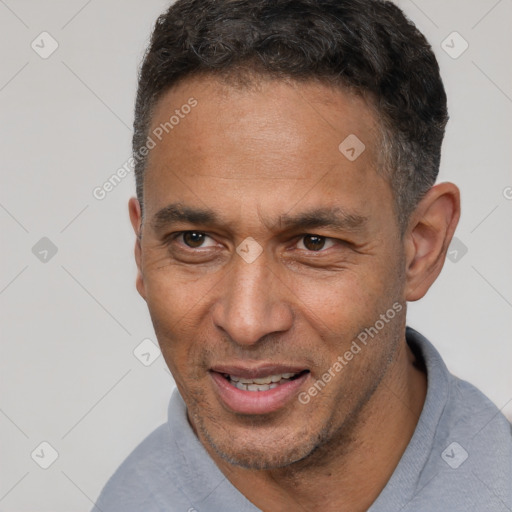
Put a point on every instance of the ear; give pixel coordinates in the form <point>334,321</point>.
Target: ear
<point>428,236</point>
<point>135,219</point>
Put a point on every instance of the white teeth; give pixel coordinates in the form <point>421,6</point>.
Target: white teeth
<point>263,380</point>
<point>254,387</point>
<point>259,384</point>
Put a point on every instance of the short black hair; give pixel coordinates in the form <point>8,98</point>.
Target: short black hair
<point>366,46</point>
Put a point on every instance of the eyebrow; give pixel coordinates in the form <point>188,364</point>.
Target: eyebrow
<point>335,218</point>
<point>178,212</point>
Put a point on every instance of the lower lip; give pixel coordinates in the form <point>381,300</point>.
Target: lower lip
<point>256,402</point>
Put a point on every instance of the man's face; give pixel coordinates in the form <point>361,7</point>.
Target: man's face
<point>264,163</point>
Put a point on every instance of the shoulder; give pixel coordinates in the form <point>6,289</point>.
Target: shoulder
<point>146,479</point>
<point>472,417</point>
<point>472,451</point>
<point>470,464</point>
<point>458,407</point>
<point>469,443</point>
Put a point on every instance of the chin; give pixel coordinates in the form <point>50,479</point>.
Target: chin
<point>255,448</point>
<point>261,457</point>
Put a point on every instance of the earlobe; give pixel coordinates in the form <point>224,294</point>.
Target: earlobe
<point>135,219</point>
<point>430,231</point>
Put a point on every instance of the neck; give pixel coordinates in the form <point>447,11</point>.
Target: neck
<point>340,475</point>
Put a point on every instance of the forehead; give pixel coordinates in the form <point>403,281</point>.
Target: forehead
<point>270,146</point>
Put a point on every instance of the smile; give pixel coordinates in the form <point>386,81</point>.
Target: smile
<point>262,383</point>
<point>257,391</point>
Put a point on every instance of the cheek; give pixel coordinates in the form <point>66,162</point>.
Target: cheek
<point>178,333</point>
<point>177,301</point>
<point>340,307</point>
<point>172,290</point>
<point>336,301</point>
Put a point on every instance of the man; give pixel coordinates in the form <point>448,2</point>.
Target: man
<point>286,153</point>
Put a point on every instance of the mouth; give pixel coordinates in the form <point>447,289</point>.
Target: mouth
<point>257,391</point>
<point>262,383</point>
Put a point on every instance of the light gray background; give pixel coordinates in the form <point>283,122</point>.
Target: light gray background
<point>70,325</point>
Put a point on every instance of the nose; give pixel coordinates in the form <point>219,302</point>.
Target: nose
<point>253,302</point>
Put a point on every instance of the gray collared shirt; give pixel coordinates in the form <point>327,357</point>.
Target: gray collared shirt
<point>459,459</point>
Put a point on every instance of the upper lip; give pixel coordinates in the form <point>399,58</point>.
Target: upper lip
<point>255,372</point>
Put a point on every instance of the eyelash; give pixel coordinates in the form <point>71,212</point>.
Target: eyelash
<point>173,236</point>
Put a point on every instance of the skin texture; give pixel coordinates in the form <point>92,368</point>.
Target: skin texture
<point>253,156</point>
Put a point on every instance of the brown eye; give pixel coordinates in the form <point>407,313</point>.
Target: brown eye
<point>193,239</point>
<point>314,243</point>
